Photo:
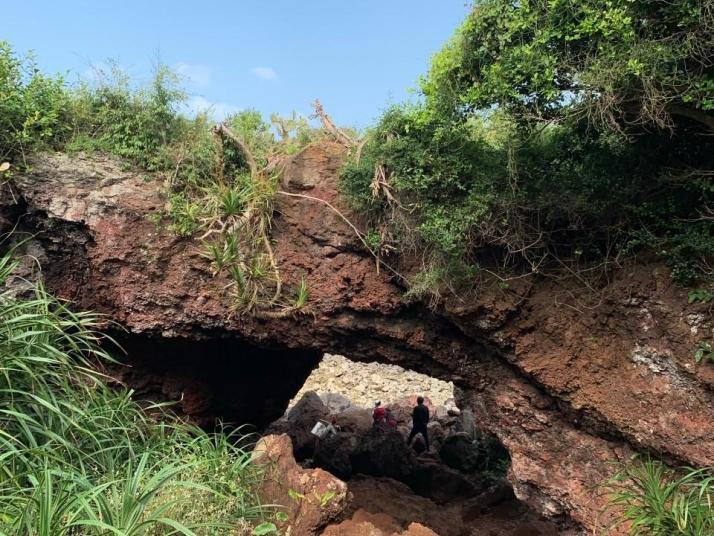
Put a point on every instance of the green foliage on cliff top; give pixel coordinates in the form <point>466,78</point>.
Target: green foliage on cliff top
<point>79,458</point>
<point>220,181</point>
<point>552,134</point>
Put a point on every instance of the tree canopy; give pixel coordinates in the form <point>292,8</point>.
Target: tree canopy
<point>552,134</point>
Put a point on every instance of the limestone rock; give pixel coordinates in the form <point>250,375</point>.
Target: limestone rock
<point>335,402</point>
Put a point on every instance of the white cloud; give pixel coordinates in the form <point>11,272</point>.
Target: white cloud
<point>266,73</point>
<point>199,75</point>
<point>217,110</point>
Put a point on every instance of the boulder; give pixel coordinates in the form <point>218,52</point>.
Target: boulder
<point>497,493</point>
<point>437,435</point>
<point>407,403</point>
<point>322,497</point>
<point>467,423</point>
<point>298,423</point>
<point>335,402</point>
<point>334,452</point>
<point>440,413</point>
<point>417,529</point>
<point>411,401</point>
<point>364,523</point>
<point>440,483</point>
<point>383,452</point>
<point>462,453</point>
<point>354,419</point>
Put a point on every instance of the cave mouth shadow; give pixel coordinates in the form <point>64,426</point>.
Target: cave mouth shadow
<point>213,381</point>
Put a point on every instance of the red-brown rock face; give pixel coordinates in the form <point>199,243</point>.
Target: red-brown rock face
<point>568,387</point>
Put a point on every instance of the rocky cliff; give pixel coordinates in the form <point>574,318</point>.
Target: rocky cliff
<point>568,387</point>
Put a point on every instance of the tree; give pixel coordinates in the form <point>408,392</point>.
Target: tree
<point>620,63</point>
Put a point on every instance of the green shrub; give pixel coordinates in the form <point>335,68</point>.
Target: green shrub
<point>32,107</point>
<point>552,135</point>
<point>79,458</point>
<point>657,501</point>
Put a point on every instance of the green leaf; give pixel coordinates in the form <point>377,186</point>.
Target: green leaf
<point>265,528</point>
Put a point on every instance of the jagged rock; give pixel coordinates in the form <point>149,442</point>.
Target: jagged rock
<point>299,422</point>
<point>308,514</point>
<point>417,529</point>
<point>462,453</point>
<point>363,523</point>
<point>437,435</point>
<point>467,423</point>
<point>497,493</point>
<point>441,413</point>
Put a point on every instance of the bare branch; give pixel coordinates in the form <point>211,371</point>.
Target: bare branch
<point>327,123</point>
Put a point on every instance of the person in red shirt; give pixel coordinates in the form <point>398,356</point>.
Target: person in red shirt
<point>379,414</point>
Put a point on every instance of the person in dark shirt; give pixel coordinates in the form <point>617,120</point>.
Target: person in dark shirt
<point>420,418</point>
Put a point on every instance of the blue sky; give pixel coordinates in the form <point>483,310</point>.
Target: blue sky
<point>274,56</point>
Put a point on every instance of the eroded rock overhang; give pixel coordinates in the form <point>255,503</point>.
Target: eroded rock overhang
<point>568,389</point>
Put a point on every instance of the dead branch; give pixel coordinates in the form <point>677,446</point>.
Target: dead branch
<point>351,225</point>
<point>221,129</point>
<point>337,133</point>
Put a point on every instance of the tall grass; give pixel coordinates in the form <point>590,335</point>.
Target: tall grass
<point>654,500</point>
<point>79,458</point>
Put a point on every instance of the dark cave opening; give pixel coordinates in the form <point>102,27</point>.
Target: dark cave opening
<point>227,380</point>
<point>213,380</point>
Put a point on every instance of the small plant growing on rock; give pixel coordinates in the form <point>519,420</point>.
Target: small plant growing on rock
<point>704,352</point>
<point>658,501</point>
<point>303,294</point>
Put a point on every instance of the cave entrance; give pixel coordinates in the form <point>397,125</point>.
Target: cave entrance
<point>214,379</point>
<point>456,488</point>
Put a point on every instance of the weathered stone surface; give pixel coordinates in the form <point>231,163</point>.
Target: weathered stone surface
<point>299,422</point>
<point>335,402</point>
<point>460,452</point>
<point>363,383</point>
<point>383,452</point>
<point>364,523</point>
<point>334,454</point>
<point>309,513</point>
<point>505,517</point>
<point>440,483</point>
<point>568,382</point>
<point>357,420</point>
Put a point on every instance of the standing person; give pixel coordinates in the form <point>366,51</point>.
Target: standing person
<point>379,414</point>
<point>391,421</point>
<point>420,418</point>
